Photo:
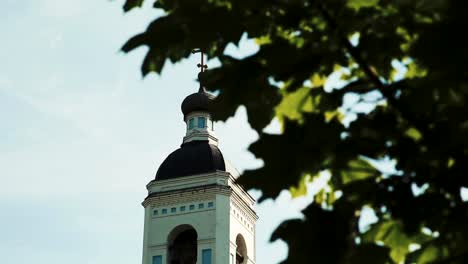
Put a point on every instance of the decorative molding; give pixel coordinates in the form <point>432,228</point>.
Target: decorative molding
<point>207,192</point>
<point>187,210</point>
<point>236,186</point>
<point>240,203</point>
<point>201,135</point>
<point>199,179</point>
<point>250,227</point>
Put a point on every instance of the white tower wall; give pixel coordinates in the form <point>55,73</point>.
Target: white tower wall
<point>227,212</point>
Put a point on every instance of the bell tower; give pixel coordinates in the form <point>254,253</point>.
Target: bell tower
<point>195,212</point>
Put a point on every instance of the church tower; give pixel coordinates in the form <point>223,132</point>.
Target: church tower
<point>195,212</point>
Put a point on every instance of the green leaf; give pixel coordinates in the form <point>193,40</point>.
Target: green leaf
<point>325,241</point>
<point>414,134</point>
<point>415,71</point>
<point>450,162</point>
<point>318,80</point>
<point>301,188</point>
<point>431,252</point>
<point>294,104</point>
<point>358,4</point>
<point>329,115</point>
<point>358,169</point>
<point>130,4</point>
<point>263,40</point>
<point>300,42</point>
<point>391,234</point>
<point>429,255</point>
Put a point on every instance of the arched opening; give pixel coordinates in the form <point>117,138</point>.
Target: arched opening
<point>182,245</point>
<point>241,250</point>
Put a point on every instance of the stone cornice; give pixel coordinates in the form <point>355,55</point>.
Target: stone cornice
<point>184,179</point>
<point>201,135</point>
<point>240,189</point>
<point>187,194</point>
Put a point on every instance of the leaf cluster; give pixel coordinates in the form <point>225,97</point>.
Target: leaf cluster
<point>418,120</point>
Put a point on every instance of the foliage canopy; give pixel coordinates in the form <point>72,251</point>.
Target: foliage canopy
<point>418,119</point>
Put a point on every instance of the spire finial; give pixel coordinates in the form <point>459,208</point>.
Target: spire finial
<point>202,67</point>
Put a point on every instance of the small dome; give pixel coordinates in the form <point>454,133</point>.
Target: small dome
<point>200,101</point>
<point>192,158</point>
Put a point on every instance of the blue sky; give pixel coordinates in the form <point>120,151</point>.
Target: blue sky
<point>82,133</point>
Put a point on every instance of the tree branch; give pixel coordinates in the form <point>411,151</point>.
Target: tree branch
<point>355,52</point>
<point>373,76</point>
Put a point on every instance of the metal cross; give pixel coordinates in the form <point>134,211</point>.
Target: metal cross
<point>201,65</point>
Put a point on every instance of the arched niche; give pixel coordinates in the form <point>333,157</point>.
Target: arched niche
<point>182,245</point>
<point>241,250</point>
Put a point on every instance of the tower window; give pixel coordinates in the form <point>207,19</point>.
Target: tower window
<point>173,210</point>
<point>182,245</point>
<point>155,212</point>
<point>241,250</point>
<point>201,122</point>
<point>157,260</point>
<point>206,256</point>
<point>201,206</point>
<point>164,211</point>
<point>210,204</point>
<point>191,123</point>
<point>182,208</point>
<point>192,207</point>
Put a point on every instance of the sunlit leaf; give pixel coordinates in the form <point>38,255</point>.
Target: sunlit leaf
<point>358,169</point>
<point>294,104</point>
<point>414,71</point>
<point>263,40</point>
<point>391,234</point>
<point>450,162</point>
<point>301,188</point>
<point>318,80</point>
<point>358,4</point>
<point>329,115</point>
<point>430,253</point>
<point>414,134</point>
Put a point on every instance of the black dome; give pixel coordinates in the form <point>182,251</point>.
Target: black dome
<point>200,101</point>
<point>191,158</point>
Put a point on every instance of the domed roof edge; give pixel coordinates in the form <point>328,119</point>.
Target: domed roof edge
<point>192,158</point>
<point>200,101</point>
